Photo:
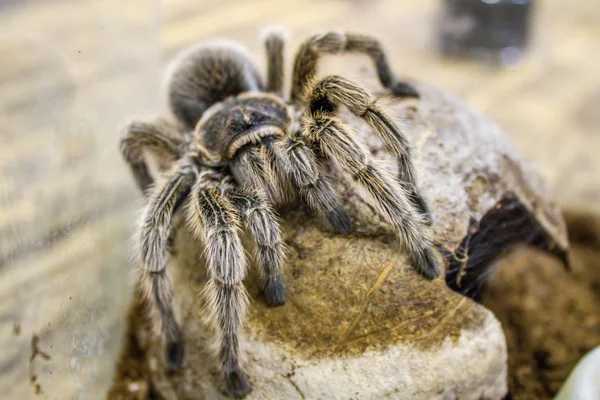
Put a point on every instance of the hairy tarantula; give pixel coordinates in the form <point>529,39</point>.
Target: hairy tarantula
<point>244,151</point>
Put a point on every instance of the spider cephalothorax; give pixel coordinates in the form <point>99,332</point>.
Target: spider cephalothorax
<point>240,150</point>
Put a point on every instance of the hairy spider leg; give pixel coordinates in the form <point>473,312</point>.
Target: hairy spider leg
<point>313,48</point>
<point>332,91</point>
<point>337,141</point>
<point>159,138</point>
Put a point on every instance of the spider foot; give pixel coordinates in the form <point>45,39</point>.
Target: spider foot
<point>401,89</point>
<point>274,291</point>
<point>427,262</point>
<point>174,355</point>
<point>340,220</point>
<point>237,383</point>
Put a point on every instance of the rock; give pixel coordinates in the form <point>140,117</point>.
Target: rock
<point>485,197</point>
<point>359,322</point>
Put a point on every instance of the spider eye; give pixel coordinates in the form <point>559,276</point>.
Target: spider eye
<point>244,119</point>
<point>238,120</point>
<point>238,125</point>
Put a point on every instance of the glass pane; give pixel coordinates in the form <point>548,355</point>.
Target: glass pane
<point>71,75</point>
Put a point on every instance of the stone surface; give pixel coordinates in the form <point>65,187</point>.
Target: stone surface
<point>359,322</point>
<point>484,196</point>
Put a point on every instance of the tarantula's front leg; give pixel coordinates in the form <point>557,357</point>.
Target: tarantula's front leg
<point>280,159</point>
<point>264,226</point>
<point>300,164</point>
<point>305,64</point>
<point>333,91</point>
<point>389,198</point>
<point>157,138</point>
<point>214,220</point>
<point>255,168</point>
<point>156,229</point>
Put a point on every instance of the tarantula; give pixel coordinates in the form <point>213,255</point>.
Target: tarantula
<point>243,149</point>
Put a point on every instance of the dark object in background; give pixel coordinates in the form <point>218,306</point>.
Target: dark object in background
<point>492,31</point>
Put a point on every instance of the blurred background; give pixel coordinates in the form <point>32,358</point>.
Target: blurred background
<point>73,72</point>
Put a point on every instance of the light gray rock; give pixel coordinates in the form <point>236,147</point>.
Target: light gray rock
<point>359,322</point>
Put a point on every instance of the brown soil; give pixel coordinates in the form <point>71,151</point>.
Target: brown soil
<point>132,375</point>
<point>551,317</point>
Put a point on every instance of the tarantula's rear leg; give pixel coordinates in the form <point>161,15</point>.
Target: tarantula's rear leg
<point>155,232</point>
<point>305,64</point>
<point>213,219</point>
<point>332,91</point>
<point>300,164</point>
<point>159,138</point>
<point>262,223</point>
<point>274,45</point>
<point>389,198</point>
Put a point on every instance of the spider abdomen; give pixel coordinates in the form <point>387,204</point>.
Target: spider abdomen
<point>207,74</point>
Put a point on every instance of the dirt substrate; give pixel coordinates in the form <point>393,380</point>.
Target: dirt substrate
<point>551,317</point>
<point>132,375</point>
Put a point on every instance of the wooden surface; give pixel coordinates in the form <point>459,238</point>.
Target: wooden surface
<point>72,72</point>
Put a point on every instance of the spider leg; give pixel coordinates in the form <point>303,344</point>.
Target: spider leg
<point>270,251</point>
<point>254,168</point>
<point>332,91</point>
<point>385,193</point>
<point>274,45</point>
<point>156,229</point>
<point>157,138</point>
<point>301,166</point>
<point>213,219</point>
<point>305,64</point>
